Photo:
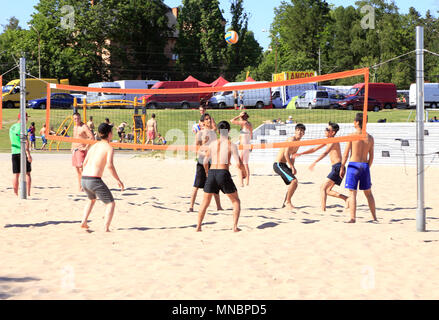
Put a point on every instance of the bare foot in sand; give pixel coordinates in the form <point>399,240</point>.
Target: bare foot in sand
<point>220,209</point>
<point>351,221</point>
<point>236,230</point>
<point>199,229</point>
<point>191,210</point>
<point>288,207</point>
<point>85,226</point>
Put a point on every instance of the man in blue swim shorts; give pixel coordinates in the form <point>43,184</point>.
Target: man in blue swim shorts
<point>358,172</point>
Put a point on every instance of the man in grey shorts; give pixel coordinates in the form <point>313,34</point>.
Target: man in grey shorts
<point>98,157</point>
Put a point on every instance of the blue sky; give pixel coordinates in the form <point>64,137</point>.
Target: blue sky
<point>261,12</point>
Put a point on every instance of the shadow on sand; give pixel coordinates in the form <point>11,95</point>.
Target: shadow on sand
<point>41,224</point>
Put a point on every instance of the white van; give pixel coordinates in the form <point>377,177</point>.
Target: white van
<point>313,99</point>
<point>93,97</point>
<point>258,98</point>
<point>431,95</point>
<point>136,84</point>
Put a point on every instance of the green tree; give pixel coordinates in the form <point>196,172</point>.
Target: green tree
<point>246,52</point>
<point>200,46</point>
<point>138,38</point>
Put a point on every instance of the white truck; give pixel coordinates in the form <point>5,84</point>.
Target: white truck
<point>93,97</point>
<point>254,98</point>
<point>135,84</point>
<point>431,95</point>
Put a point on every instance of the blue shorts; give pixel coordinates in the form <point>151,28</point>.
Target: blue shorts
<point>358,173</point>
<point>33,138</point>
<point>44,139</point>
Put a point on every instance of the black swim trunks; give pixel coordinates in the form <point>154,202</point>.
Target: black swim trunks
<point>16,166</point>
<point>220,180</point>
<point>96,188</point>
<point>200,176</point>
<point>335,174</point>
<point>284,171</point>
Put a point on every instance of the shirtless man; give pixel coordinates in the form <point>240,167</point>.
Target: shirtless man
<point>79,150</point>
<point>334,151</point>
<point>43,136</point>
<point>151,129</point>
<point>212,120</point>
<point>202,141</point>
<point>362,155</point>
<point>284,159</point>
<point>98,158</point>
<point>218,176</point>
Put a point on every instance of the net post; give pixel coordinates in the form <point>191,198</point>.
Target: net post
<point>420,212</point>
<point>23,134</point>
<point>1,103</point>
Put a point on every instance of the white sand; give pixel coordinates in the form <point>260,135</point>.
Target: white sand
<point>155,253</point>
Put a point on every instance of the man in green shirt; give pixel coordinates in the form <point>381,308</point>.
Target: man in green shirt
<point>14,135</point>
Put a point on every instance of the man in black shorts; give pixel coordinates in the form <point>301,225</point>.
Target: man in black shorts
<point>288,174</point>
<point>334,151</point>
<point>218,175</point>
<point>202,141</point>
<point>15,137</point>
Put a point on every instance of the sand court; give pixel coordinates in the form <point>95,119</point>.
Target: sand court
<point>153,251</point>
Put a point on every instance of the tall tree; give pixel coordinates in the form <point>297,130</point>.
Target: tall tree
<point>138,36</point>
<point>246,52</point>
<point>200,45</point>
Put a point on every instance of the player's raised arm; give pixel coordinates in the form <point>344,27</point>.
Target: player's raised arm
<point>322,156</point>
<point>309,151</point>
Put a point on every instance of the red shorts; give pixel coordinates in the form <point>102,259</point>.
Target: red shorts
<point>151,135</point>
<point>78,158</point>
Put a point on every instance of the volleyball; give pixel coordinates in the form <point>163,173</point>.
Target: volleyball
<point>196,128</point>
<point>231,37</point>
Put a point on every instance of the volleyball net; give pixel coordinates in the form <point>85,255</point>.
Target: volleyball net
<point>274,109</point>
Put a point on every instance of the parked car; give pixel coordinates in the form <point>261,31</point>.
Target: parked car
<point>313,99</point>
<point>252,98</point>
<point>96,97</point>
<point>431,95</point>
<point>276,99</point>
<point>357,103</point>
<point>181,100</point>
<point>57,100</point>
<point>334,99</point>
<point>35,89</point>
<point>384,93</point>
<point>135,84</point>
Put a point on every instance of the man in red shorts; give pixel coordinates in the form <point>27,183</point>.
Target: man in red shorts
<point>79,150</point>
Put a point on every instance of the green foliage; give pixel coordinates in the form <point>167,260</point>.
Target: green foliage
<point>200,45</point>
<point>301,27</point>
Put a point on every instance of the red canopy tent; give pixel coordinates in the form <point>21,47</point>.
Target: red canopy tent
<point>200,83</point>
<point>250,79</point>
<point>220,82</point>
